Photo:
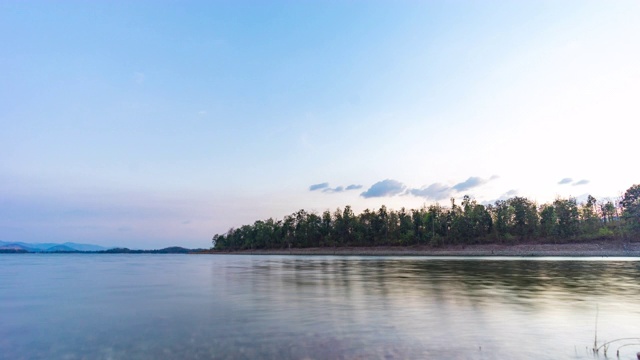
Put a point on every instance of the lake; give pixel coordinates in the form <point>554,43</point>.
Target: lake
<point>81,306</point>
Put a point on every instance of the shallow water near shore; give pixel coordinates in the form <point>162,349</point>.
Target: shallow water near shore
<point>314,307</point>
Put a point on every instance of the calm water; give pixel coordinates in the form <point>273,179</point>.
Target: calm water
<point>279,307</point>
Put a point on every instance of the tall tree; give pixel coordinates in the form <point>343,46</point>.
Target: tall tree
<point>326,229</point>
<point>631,207</point>
<point>590,221</point>
<point>568,217</point>
<point>548,221</point>
<point>502,214</point>
<point>525,216</point>
<point>608,211</point>
<point>405,227</point>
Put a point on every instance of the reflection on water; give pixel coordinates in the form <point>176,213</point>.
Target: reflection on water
<point>247,307</point>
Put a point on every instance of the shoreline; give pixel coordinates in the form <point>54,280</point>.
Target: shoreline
<point>578,249</point>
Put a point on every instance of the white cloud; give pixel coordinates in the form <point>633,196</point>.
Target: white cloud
<point>565,181</point>
<point>436,191</point>
<point>384,188</point>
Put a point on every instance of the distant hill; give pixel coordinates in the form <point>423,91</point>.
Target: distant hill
<point>85,247</point>
<point>27,246</point>
<point>60,248</point>
<point>12,251</point>
<point>20,247</point>
<point>169,250</point>
<point>11,247</point>
<point>50,247</point>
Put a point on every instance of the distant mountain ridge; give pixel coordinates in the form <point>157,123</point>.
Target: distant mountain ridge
<point>168,250</point>
<point>69,247</point>
<point>50,247</point>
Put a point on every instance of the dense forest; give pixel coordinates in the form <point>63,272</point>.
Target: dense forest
<point>506,221</point>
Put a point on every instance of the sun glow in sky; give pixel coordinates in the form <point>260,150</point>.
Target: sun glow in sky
<point>149,124</point>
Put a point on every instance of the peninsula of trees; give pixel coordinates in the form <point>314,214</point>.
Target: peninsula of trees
<point>506,221</point>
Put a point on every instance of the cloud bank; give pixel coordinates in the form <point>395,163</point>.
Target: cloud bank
<point>324,187</point>
<point>315,187</point>
<point>435,191</point>
<point>470,183</point>
<point>333,190</point>
<point>384,188</point>
<point>566,181</point>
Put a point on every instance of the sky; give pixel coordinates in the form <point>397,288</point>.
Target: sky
<point>149,124</point>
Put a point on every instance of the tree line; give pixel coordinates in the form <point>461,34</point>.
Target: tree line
<point>505,221</point>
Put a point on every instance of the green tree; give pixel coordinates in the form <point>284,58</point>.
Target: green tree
<point>548,221</point>
<point>482,222</point>
<point>502,214</point>
<point>314,230</point>
<point>590,221</point>
<point>568,217</point>
<point>326,229</point>
<point>455,222</point>
<point>419,219</point>
<point>364,232</point>
<point>393,224</point>
<point>344,226</point>
<point>525,217</point>
<point>288,231</point>
<point>436,224</point>
<point>216,240</point>
<point>608,211</point>
<point>631,207</point>
<point>471,221</point>
<point>380,225</point>
<point>405,227</point>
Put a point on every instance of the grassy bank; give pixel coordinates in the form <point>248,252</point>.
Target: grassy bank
<point>592,248</point>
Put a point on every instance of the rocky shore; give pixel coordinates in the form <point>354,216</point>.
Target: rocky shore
<point>598,249</point>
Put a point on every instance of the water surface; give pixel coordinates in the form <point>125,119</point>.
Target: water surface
<point>313,307</point>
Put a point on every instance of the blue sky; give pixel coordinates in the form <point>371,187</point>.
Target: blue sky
<point>149,124</point>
